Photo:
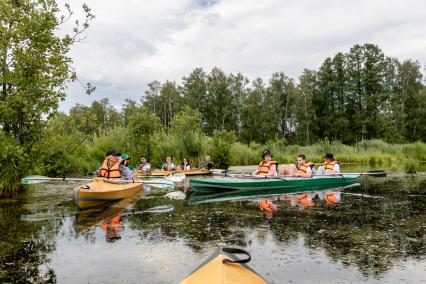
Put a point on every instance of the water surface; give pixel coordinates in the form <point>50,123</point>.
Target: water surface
<point>377,233</point>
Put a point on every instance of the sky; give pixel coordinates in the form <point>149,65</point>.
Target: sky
<point>131,43</point>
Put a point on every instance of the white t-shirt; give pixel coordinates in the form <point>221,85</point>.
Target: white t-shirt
<point>336,168</point>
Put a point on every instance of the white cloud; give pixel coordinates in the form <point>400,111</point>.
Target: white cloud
<point>132,43</point>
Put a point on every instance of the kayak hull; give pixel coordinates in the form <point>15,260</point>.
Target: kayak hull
<point>215,271</point>
<point>100,192</point>
<point>274,184</point>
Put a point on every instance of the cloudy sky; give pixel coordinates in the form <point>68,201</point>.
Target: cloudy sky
<point>131,42</point>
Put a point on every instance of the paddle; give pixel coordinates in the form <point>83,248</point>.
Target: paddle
<point>374,173</point>
<point>40,179</point>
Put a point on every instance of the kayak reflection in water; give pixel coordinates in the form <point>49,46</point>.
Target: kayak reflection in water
<point>112,229</point>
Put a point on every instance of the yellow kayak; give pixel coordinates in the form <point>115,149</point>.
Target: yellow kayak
<point>187,172</point>
<point>223,267</point>
<point>100,191</point>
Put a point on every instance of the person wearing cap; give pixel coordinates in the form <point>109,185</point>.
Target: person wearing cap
<point>267,166</point>
<point>126,173</point>
<point>330,166</point>
<point>111,166</point>
<point>144,167</point>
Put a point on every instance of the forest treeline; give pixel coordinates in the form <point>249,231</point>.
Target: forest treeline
<point>357,95</point>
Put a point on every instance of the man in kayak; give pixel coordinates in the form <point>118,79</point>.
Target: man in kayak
<point>267,166</point>
<point>144,167</point>
<point>302,168</point>
<point>207,164</point>
<point>330,166</point>
<point>168,165</point>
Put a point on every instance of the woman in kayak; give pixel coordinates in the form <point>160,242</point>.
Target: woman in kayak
<point>168,165</point>
<point>267,166</point>
<point>185,166</point>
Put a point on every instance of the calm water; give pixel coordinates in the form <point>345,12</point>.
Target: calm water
<point>376,234</point>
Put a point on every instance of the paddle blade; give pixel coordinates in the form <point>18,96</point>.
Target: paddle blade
<point>376,173</point>
<point>34,179</point>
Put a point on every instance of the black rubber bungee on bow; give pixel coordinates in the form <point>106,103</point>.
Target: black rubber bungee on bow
<point>236,251</point>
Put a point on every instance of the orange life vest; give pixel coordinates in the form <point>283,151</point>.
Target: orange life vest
<point>329,166</point>
<point>266,205</point>
<point>330,198</point>
<point>303,168</point>
<point>305,200</point>
<point>264,167</point>
<point>110,172</point>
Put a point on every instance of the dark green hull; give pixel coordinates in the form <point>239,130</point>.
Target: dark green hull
<point>284,185</point>
<point>235,189</point>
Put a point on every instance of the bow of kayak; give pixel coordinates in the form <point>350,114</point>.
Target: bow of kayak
<point>224,267</point>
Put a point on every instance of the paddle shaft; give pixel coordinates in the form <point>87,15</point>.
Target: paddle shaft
<point>40,179</point>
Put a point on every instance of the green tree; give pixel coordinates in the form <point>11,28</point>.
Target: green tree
<point>142,127</point>
<point>222,141</point>
<point>252,124</point>
<point>34,69</point>
<point>187,134</point>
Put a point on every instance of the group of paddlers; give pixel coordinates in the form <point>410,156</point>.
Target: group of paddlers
<point>116,166</point>
<point>302,168</point>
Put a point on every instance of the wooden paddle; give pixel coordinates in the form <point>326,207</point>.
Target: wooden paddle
<point>40,179</point>
<point>374,173</point>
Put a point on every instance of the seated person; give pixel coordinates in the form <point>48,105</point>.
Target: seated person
<point>185,166</point>
<point>301,168</point>
<point>207,164</point>
<point>267,166</point>
<point>304,169</point>
<point>126,173</point>
<point>330,166</point>
<point>111,166</point>
<point>144,166</point>
<point>168,165</point>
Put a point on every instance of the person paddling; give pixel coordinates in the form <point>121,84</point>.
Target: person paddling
<point>330,166</point>
<point>267,166</point>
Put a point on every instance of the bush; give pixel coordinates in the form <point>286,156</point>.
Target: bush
<point>222,141</point>
<point>13,166</point>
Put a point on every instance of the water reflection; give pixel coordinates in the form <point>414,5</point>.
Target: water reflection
<point>359,238</point>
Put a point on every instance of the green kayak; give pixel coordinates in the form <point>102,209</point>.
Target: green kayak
<point>274,185</point>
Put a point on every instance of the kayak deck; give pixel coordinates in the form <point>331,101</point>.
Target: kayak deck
<point>100,191</point>
<point>223,267</point>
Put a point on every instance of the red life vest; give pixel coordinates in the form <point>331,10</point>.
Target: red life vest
<point>303,168</point>
<point>112,171</point>
<point>264,167</point>
<point>329,165</point>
